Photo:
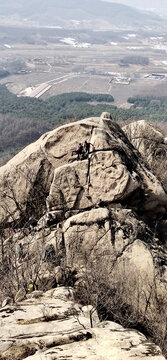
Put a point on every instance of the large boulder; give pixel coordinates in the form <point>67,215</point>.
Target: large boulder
<point>112,172</point>
<point>116,256</point>
<point>79,186</point>
<point>25,180</point>
<point>146,138</point>
<point>117,240</point>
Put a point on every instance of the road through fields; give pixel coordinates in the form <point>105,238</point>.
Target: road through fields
<point>42,88</point>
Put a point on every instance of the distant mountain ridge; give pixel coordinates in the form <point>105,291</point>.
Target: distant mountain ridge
<point>60,13</point>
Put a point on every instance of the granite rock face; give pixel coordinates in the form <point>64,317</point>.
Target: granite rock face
<point>45,172</point>
<point>116,246</point>
<point>105,210</point>
<point>51,326</point>
<point>146,138</point>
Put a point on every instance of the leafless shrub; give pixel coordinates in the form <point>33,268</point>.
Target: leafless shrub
<point>126,299</point>
<point>15,229</point>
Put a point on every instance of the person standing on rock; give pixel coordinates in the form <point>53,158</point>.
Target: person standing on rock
<point>20,251</point>
<point>49,219</point>
<point>99,204</point>
<point>79,151</point>
<point>87,148</point>
<point>32,223</point>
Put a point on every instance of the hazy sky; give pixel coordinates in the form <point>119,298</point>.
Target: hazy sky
<point>158,5</point>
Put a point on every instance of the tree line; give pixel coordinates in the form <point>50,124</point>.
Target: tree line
<point>24,119</point>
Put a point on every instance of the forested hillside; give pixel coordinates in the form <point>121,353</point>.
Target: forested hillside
<point>24,119</point>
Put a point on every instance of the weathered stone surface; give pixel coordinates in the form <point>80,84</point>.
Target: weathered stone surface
<point>21,294</point>
<point>103,232</point>
<point>113,237</point>
<point>94,231</point>
<point>7,301</point>
<point>87,234</point>
<point>24,185</point>
<point>116,246</point>
<point>77,186</point>
<point>112,172</point>
<point>20,177</point>
<point>53,326</point>
<point>149,141</point>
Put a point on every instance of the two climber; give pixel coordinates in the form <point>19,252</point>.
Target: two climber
<point>83,150</point>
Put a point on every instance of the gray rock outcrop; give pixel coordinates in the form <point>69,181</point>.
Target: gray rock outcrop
<point>146,138</point>
<point>113,172</point>
<point>54,326</point>
<point>105,210</point>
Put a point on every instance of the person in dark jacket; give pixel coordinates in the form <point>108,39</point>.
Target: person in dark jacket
<point>87,148</point>
<point>79,151</point>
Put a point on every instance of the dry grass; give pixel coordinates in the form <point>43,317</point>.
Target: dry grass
<point>18,352</point>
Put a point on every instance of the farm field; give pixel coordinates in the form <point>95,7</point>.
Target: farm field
<point>134,65</point>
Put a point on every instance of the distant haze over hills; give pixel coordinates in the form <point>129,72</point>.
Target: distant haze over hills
<point>74,13</point>
<point>158,6</point>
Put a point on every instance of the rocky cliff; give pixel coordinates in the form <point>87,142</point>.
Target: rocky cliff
<point>103,234</point>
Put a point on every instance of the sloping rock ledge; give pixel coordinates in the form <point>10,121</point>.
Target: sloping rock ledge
<point>52,326</point>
